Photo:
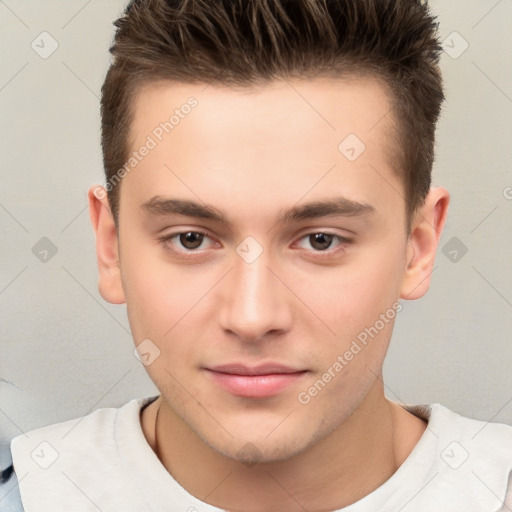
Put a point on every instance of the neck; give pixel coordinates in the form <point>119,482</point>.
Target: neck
<point>348,464</point>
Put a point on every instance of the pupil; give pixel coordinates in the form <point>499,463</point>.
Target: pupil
<point>191,240</point>
<point>321,241</point>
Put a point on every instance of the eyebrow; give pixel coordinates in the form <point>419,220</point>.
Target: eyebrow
<point>338,206</point>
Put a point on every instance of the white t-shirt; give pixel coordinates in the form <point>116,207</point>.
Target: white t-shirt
<point>103,462</point>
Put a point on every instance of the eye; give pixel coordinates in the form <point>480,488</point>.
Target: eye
<point>185,241</point>
<point>322,242</point>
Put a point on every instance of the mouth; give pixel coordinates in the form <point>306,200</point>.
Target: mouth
<point>257,381</point>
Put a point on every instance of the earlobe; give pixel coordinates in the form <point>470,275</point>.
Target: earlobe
<point>107,248</point>
<point>423,242</point>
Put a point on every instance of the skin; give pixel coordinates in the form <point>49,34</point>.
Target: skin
<point>251,154</point>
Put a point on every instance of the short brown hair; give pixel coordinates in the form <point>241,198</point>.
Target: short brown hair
<point>242,43</point>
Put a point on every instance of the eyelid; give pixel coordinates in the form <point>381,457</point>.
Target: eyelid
<point>343,240</point>
<point>166,239</point>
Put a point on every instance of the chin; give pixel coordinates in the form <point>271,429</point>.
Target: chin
<point>250,450</point>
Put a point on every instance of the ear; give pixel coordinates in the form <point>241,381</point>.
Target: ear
<point>422,244</point>
<point>107,246</point>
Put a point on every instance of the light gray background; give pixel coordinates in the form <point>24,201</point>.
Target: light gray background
<point>65,352</point>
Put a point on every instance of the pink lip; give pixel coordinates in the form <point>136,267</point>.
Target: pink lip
<point>255,382</point>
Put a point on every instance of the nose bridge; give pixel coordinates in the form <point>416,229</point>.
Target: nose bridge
<point>253,303</point>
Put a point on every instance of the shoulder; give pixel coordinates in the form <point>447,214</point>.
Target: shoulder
<point>484,439</point>
<point>447,424</point>
<point>48,459</point>
<point>42,444</point>
<point>470,458</point>
<point>97,425</point>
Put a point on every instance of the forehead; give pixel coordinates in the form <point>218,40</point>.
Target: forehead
<point>283,140</point>
<point>356,104</point>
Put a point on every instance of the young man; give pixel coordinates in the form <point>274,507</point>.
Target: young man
<point>268,203</point>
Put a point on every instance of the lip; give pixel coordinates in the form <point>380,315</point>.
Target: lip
<point>255,381</point>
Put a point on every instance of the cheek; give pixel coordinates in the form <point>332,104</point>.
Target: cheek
<point>158,294</point>
<point>353,296</point>
<point>358,304</point>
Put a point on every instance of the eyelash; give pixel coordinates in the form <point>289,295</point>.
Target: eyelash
<point>165,239</point>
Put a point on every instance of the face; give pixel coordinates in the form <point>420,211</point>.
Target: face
<point>255,295</point>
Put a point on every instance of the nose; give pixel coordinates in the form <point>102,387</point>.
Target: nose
<point>254,302</point>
